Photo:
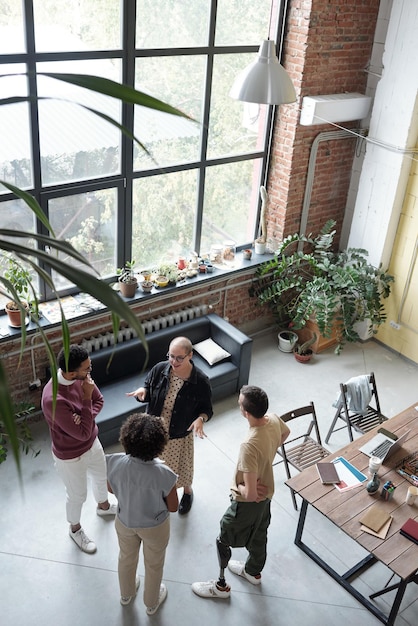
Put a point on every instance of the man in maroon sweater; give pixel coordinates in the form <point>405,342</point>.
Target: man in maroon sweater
<point>76,448</point>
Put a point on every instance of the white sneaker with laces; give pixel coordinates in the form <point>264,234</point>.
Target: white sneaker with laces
<point>238,568</point>
<point>84,543</point>
<point>125,600</point>
<point>112,510</point>
<point>210,590</point>
<point>163,594</point>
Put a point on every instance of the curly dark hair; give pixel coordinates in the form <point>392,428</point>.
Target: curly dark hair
<point>143,436</point>
<point>77,354</point>
<point>255,400</point>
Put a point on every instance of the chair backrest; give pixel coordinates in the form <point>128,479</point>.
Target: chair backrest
<point>373,389</point>
<point>312,424</point>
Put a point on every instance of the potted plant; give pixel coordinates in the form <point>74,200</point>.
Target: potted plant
<point>303,351</point>
<point>18,283</point>
<point>128,282</point>
<point>287,340</point>
<point>22,411</point>
<point>307,281</point>
<point>169,271</point>
<point>261,242</point>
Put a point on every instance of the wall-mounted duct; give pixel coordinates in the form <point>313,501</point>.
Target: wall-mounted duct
<point>337,107</point>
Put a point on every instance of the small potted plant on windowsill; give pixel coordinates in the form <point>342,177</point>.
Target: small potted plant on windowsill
<point>18,283</point>
<point>128,282</point>
<point>261,242</point>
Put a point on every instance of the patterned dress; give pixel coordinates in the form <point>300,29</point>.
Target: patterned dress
<point>178,453</point>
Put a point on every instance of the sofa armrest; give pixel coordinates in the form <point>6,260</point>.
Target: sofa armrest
<point>236,342</point>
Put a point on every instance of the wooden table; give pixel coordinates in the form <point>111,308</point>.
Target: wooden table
<point>345,509</point>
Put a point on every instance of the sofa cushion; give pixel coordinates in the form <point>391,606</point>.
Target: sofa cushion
<point>211,351</point>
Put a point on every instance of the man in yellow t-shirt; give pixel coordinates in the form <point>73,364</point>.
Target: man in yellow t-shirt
<point>247,519</point>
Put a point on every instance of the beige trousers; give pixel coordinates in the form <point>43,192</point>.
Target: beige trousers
<point>155,542</point>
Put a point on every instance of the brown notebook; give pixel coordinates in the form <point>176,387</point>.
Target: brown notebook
<point>375,517</point>
<point>327,473</point>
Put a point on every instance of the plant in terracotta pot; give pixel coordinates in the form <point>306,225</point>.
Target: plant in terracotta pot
<point>302,351</point>
<point>307,280</point>
<point>146,286</point>
<point>128,282</point>
<point>17,281</point>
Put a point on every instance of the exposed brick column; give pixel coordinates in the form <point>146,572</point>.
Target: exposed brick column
<point>327,47</point>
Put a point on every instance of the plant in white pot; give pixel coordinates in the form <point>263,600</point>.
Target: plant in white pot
<point>261,242</point>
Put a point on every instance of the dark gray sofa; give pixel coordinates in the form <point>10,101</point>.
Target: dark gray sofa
<point>124,372</point>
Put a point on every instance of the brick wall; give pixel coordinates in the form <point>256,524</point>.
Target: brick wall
<point>228,297</point>
<point>328,45</point>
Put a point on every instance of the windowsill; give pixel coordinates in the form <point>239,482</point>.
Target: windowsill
<point>82,306</point>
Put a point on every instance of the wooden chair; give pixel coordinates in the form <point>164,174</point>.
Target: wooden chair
<point>305,447</point>
<point>361,422</point>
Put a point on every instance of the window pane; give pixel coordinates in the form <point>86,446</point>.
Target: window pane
<point>170,139</point>
<point>11,27</point>
<point>168,24</point>
<point>242,23</point>
<point>234,127</point>
<point>77,25</point>
<point>230,206</point>
<point>15,144</point>
<point>88,222</point>
<point>164,209</point>
<point>75,143</point>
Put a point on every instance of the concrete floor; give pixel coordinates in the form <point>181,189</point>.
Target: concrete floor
<point>46,579</point>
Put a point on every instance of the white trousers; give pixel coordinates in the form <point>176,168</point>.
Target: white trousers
<point>73,473</point>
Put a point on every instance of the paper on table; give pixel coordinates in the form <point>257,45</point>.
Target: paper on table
<point>350,476</point>
<point>382,532</point>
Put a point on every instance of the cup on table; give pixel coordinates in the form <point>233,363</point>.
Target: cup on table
<point>411,494</point>
<point>374,465</point>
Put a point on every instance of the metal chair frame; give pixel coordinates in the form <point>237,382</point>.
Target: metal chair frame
<point>359,422</point>
<point>302,450</point>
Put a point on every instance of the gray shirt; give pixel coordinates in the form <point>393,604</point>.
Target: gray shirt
<point>140,487</point>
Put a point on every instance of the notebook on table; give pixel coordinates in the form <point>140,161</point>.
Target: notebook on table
<point>410,530</point>
<point>327,473</point>
<point>383,445</point>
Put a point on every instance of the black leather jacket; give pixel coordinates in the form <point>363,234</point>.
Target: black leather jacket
<point>193,399</point>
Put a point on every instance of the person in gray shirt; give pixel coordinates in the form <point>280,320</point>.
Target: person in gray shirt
<point>146,491</point>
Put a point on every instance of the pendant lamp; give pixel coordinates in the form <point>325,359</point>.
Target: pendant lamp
<point>264,81</point>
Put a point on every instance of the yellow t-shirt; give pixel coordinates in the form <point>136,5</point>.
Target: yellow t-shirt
<point>257,453</point>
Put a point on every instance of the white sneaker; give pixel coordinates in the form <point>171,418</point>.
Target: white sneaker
<point>125,600</point>
<point>238,568</point>
<point>84,543</point>
<point>163,594</point>
<point>112,510</point>
<point>210,590</point>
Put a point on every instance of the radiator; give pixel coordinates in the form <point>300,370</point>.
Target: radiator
<point>93,344</point>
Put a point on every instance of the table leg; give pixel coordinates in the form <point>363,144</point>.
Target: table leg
<point>343,579</point>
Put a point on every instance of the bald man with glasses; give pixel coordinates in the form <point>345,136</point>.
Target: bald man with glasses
<point>181,394</point>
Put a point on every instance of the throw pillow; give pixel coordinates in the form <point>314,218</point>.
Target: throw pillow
<point>211,351</point>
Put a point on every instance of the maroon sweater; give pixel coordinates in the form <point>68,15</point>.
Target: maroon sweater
<point>71,440</point>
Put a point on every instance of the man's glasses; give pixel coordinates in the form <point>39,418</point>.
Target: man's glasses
<point>177,359</point>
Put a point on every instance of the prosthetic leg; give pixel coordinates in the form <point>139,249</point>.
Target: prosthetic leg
<point>224,554</point>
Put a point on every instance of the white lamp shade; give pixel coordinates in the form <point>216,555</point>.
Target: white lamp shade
<point>265,81</point>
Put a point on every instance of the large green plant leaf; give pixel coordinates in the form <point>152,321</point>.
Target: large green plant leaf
<point>83,277</point>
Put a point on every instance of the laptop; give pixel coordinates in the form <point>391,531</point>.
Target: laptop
<point>384,444</point>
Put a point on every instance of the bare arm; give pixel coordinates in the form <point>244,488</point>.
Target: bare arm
<point>172,500</point>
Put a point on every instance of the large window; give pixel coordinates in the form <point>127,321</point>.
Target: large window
<point>198,184</point>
